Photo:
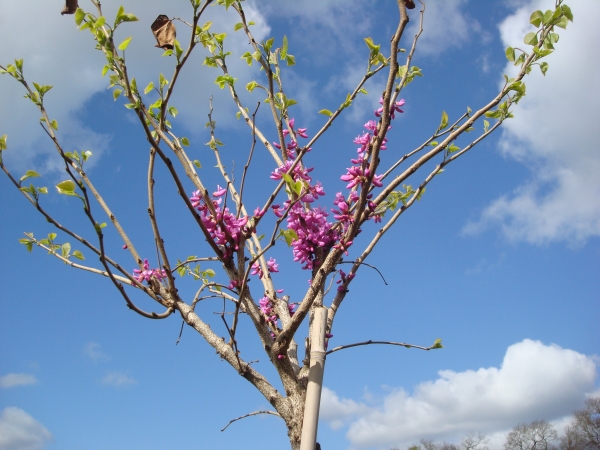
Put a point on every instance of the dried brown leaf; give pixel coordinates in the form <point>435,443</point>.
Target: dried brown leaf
<point>70,7</point>
<point>164,31</point>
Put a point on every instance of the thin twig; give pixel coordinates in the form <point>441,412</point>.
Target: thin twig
<point>400,344</point>
<point>273,413</point>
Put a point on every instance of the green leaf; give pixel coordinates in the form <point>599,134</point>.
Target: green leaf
<point>66,249</point>
<point>29,174</point>
<point>197,164</point>
<point>290,60</point>
<point>531,38</point>
<point>123,45</point>
<point>289,236</point>
<point>162,81</point>
<point>284,49</point>
<point>128,18</point>
<point>54,124</point>
<point>52,236</point>
<point>562,22</point>
<point>185,141</point>
<point>536,18</point>
<point>238,26</point>
<point>3,142</point>
<point>173,111</point>
<point>510,54</point>
<point>374,49</point>
<point>437,344</point>
<point>444,121</point>
<point>79,16</point>
<point>250,86</point>
<point>42,190</point>
<point>117,93</point>
<point>326,112</point>
<point>77,254</point>
<point>105,70</point>
<point>178,49</point>
<point>544,67</point>
<point>66,187</point>
<point>567,12</point>
<point>268,45</point>
<point>149,88</point>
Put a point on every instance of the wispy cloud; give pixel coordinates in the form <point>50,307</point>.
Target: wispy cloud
<point>118,379</point>
<point>17,379</point>
<point>18,430</point>
<point>93,350</point>
<point>534,381</point>
<point>445,25</point>
<point>555,134</point>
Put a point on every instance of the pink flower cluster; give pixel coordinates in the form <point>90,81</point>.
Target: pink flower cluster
<point>343,279</point>
<point>147,273</point>
<point>272,266</point>
<point>267,308</point>
<point>225,228</point>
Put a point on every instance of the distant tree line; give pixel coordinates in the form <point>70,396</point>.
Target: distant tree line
<point>583,433</point>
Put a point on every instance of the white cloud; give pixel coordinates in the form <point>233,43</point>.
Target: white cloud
<point>555,134</point>
<point>55,53</point>
<point>118,379</point>
<point>535,381</point>
<point>445,25</point>
<point>93,350</point>
<point>20,431</point>
<point>17,379</point>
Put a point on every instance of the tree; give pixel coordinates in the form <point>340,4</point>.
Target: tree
<point>239,236</point>
<point>584,431</point>
<point>537,435</point>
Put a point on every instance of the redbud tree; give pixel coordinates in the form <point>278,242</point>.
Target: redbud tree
<point>319,226</point>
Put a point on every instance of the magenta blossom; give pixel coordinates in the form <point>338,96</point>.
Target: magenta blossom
<point>146,273</point>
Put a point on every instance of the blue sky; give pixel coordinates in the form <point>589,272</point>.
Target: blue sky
<point>500,258</point>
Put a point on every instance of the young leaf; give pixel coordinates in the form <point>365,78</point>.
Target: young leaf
<point>238,26</point>
<point>185,141</point>
<point>284,49</point>
<point>326,112</point>
<point>149,87</point>
<point>197,164</point>
<point>444,121</point>
<point>536,18</point>
<point>531,38</point>
<point>123,45</point>
<point>29,174</point>
<point>66,187</point>
<point>510,54</point>
<point>77,254</point>
<point>79,16</point>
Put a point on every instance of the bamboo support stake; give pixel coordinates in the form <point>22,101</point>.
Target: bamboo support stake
<point>315,379</point>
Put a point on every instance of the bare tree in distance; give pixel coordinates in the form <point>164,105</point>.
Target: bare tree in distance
<point>584,431</point>
<point>537,435</point>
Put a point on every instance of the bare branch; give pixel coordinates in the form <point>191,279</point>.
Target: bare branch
<point>273,413</point>
<point>369,342</point>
